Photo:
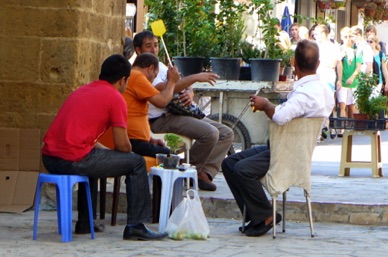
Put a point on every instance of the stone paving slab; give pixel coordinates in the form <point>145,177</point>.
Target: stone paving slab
<point>330,240</point>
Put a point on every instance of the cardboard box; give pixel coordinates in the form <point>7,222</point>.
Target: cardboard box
<point>20,155</point>
<point>17,190</point>
<point>20,149</point>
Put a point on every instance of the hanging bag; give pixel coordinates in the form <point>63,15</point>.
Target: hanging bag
<point>176,107</point>
<point>188,219</point>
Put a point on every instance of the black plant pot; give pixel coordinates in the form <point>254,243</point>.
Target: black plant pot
<point>245,73</point>
<point>226,68</point>
<point>171,162</point>
<point>265,69</point>
<point>189,65</point>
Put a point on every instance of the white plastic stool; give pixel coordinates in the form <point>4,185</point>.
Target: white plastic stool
<point>172,187</point>
<point>346,156</point>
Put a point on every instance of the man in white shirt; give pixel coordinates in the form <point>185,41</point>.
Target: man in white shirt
<point>212,139</point>
<point>309,98</point>
<point>364,49</point>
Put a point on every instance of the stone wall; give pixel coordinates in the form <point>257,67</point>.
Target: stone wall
<point>48,48</point>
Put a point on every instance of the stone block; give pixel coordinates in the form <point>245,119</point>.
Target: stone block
<point>54,3</point>
<point>18,58</point>
<point>58,60</point>
<point>365,218</point>
<point>110,7</point>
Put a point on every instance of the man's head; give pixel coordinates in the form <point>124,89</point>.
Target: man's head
<point>346,36</point>
<point>148,64</point>
<point>128,50</point>
<point>306,57</point>
<point>115,68</point>
<point>146,42</point>
<point>294,31</point>
<point>357,34</point>
<point>370,30</point>
<point>321,33</point>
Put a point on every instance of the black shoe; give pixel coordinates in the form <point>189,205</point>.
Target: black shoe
<point>207,186</point>
<point>141,232</point>
<point>261,229</point>
<point>333,133</point>
<point>325,132</point>
<point>83,227</point>
<point>246,227</point>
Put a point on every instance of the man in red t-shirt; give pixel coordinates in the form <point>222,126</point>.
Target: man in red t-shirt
<point>71,147</point>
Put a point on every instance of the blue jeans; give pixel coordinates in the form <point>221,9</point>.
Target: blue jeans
<point>101,163</point>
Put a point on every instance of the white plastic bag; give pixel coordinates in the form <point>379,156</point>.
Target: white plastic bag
<point>188,219</point>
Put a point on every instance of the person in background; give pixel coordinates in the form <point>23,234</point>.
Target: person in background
<point>309,98</point>
<point>330,67</point>
<point>212,139</point>
<point>363,49</point>
<point>71,146</point>
<point>379,65</point>
<point>351,63</point>
<point>311,32</point>
<point>294,33</point>
<point>371,30</point>
<point>303,32</point>
<point>128,49</point>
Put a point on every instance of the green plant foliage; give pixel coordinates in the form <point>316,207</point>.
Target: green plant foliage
<point>372,106</point>
<point>190,26</point>
<point>173,142</point>
<point>229,29</point>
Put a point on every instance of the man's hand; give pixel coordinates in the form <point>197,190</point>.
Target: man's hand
<point>185,97</point>
<point>339,86</point>
<point>157,142</point>
<point>173,74</point>
<point>258,103</point>
<point>209,77</point>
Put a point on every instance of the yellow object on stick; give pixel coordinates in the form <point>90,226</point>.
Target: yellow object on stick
<point>159,29</point>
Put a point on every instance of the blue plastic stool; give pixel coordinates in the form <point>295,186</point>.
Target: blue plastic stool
<point>64,193</point>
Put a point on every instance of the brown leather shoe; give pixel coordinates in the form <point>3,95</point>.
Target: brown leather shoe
<point>207,186</point>
<point>204,182</point>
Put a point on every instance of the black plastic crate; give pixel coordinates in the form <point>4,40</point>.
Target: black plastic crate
<point>352,124</point>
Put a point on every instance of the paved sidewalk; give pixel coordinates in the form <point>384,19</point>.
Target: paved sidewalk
<point>345,201</point>
<point>330,240</point>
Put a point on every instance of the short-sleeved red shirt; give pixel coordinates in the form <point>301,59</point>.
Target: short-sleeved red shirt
<point>83,118</point>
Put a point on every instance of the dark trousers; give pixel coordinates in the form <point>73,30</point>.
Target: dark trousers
<point>242,172</point>
<point>147,149</point>
<point>101,163</point>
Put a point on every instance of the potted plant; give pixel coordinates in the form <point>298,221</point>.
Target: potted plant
<point>190,29</point>
<point>369,107</point>
<point>266,66</point>
<point>171,161</point>
<point>225,57</point>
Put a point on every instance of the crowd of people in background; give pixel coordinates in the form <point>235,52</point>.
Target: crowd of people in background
<point>353,53</point>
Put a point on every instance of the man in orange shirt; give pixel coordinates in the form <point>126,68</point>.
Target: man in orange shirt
<point>138,93</point>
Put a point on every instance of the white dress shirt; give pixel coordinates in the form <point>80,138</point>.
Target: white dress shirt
<point>310,97</point>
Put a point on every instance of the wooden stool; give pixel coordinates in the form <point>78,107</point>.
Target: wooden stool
<point>346,153</point>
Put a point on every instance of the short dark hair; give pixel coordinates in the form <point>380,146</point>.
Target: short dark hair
<point>128,49</point>
<point>146,60</point>
<point>371,27</point>
<point>139,38</point>
<point>114,68</point>
<point>307,55</point>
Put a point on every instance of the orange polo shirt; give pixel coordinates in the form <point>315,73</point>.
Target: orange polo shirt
<point>139,90</point>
